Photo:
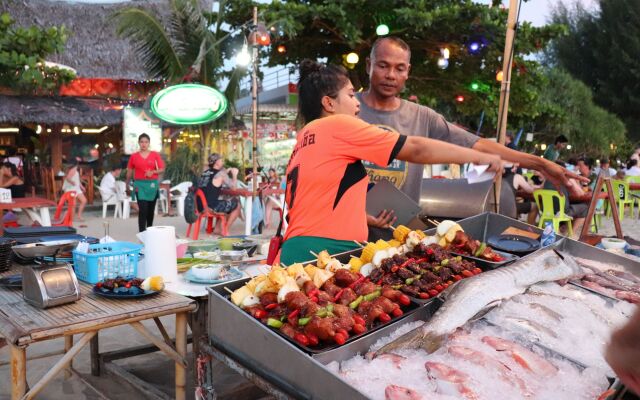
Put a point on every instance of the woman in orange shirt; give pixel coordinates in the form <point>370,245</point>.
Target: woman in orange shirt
<point>326,180</point>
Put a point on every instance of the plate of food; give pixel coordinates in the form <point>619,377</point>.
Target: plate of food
<point>212,273</point>
<point>129,287</point>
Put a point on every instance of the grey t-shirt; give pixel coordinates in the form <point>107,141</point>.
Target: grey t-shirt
<point>411,119</point>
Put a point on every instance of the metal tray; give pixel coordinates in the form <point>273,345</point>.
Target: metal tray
<point>508,258</point>
<point>408,310</point>
<point>45,249</point>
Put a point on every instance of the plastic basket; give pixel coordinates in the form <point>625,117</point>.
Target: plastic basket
<point>107,260</point>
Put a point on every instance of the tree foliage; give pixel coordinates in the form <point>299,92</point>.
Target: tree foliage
<point>329,29</point>
<point>23,52</point>
<point>602,49</point>
<point>567,107</point>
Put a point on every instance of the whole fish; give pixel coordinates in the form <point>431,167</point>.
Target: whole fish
<point>628,296</point>
<point>449,380</point>
<point>395,392</point>
<point>526,358</point>
<point>531,325</point>
<point>472,296</point>
<point>604,282</point>
<point>612,279</point>
<point>624,275</point>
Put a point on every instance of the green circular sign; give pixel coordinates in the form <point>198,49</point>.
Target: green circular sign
<point>189,104</point>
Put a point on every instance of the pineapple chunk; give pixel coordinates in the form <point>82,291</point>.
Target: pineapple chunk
<point>321,276</point>
<point>323,259</point>
<point>240,294</point>
<point>451,233</point>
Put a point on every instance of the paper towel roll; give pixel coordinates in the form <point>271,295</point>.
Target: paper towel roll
<point>160,253</point>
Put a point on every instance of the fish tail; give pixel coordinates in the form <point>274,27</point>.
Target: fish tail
<point>413,340</point>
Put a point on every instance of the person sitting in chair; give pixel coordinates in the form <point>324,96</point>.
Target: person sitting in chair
<point>211,182</point>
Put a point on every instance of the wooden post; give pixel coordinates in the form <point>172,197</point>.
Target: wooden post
<point>55,141</point>
<point>68,344</point>
<point>181,348</point>
<point>18,371</point>
<point>94,350</point>
<point>503,109</point>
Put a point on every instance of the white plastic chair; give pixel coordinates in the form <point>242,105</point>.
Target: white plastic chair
<point>182,189</point>
<point>162,199</point>
<point>110,198</point>
<point>121,190</point>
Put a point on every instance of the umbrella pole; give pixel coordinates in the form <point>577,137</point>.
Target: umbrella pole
<point>503,109</point>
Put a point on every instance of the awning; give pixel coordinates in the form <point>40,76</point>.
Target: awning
<point>59,110</point>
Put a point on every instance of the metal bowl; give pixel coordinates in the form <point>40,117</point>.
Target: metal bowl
<point>233,255</point>
<point>249,246</point>
<point>45,249</point>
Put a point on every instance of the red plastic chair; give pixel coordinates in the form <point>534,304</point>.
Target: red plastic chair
<point>70,199</point>
<point>209,215</point>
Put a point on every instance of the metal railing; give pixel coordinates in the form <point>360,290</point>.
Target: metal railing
<point>273,78</point>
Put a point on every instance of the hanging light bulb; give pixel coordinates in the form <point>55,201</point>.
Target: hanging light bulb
<point>459,98</point>
<point>243,58</point>
<point>382,30</point>
<point>446,53</point>
<point>282,49</point>
<point>443,62</point>
<point>352,58</point>
<point>499,76</point>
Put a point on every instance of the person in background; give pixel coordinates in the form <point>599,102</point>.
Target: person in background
<point>517,183</point>
<point>553,152</point>
<point>108,182</point>
<point>270,203</point>
<point>9,179</point>
<point>605,165</point>
<point>576,210</point>
<point>632,168</point>
<point>388,67</point>
<point>145,166</point>
<point>509,141</point>
<point>623,353</point>
<point>211,182</point>
<point>72,184</point>
<point>584,166</point>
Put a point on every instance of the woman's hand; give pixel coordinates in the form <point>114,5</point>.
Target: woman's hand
<point>385,219</point>
<point>560,176</point>
<point>149,173</point>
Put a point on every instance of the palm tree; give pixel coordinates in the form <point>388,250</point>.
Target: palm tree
<point>189,49</point>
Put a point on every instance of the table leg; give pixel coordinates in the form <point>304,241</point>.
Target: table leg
<point>94,350</point>
<point>181,348</point>
<point>18,371</point>
<point>248,206</point>
<point>68,344</point>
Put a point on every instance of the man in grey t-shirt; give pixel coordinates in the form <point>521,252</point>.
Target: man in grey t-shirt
<point>388,67</point>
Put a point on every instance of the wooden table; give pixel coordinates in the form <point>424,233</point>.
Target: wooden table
<point>37,205</point>
<point>248,204</point>
<point>22,324</point>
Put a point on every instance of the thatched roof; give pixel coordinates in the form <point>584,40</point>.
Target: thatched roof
<point>93,49</point>
<point>58,110</point>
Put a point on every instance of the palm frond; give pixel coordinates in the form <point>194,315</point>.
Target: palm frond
<point>151,41</point>
<point>232,90</point>
<point>188,28</point>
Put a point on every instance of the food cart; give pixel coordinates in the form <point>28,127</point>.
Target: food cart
<point>285,370</point>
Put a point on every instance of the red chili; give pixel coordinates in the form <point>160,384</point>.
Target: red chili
<point>457,278</point>
<point>338,295</point>
<point>433,292</point>
<point>439,288</point>
<point>343,331</point>
<point>358,329</point>
<point>271,306</point>
<point>384,317</point>
<point>339,339</point>
<point>293,314</point>
<point>466,273</point>
<point>259,314</point>
<point>359,320</point>
<point>358,281</point>
<point>313,339</point>
<point>404,299</point>
<point>301,338</point>
<point>395,268</point>
<point>429,251</point>
<point>314,292</point>
<point>409,261</point>
<point>397,312</point>
<point>477,271</point>
<point>424,295</point>
<point>314,299</point>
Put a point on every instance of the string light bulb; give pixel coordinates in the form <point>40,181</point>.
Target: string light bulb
<point>499,76</point>
<point>352,58</point>
<point>282,49</point>
<point>443,62</point>
<point>243,58</point>
<point>382,30</point>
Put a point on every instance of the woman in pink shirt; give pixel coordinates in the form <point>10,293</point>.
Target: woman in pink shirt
<point>145,166</point>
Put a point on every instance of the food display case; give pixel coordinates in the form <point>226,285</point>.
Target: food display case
<point>301,374</point>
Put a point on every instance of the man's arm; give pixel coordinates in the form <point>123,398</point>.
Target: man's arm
<point>556,174</point>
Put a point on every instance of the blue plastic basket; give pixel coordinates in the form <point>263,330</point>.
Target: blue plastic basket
<point>107,260</point>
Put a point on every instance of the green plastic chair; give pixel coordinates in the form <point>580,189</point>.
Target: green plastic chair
<point>528,175</point>
<point>635,194</point>
<point>551,208</point>
<point>623,198</point>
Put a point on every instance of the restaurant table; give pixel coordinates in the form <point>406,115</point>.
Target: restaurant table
<point>22,324</point>
<point>248,204</point>
<point>36,207</point>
